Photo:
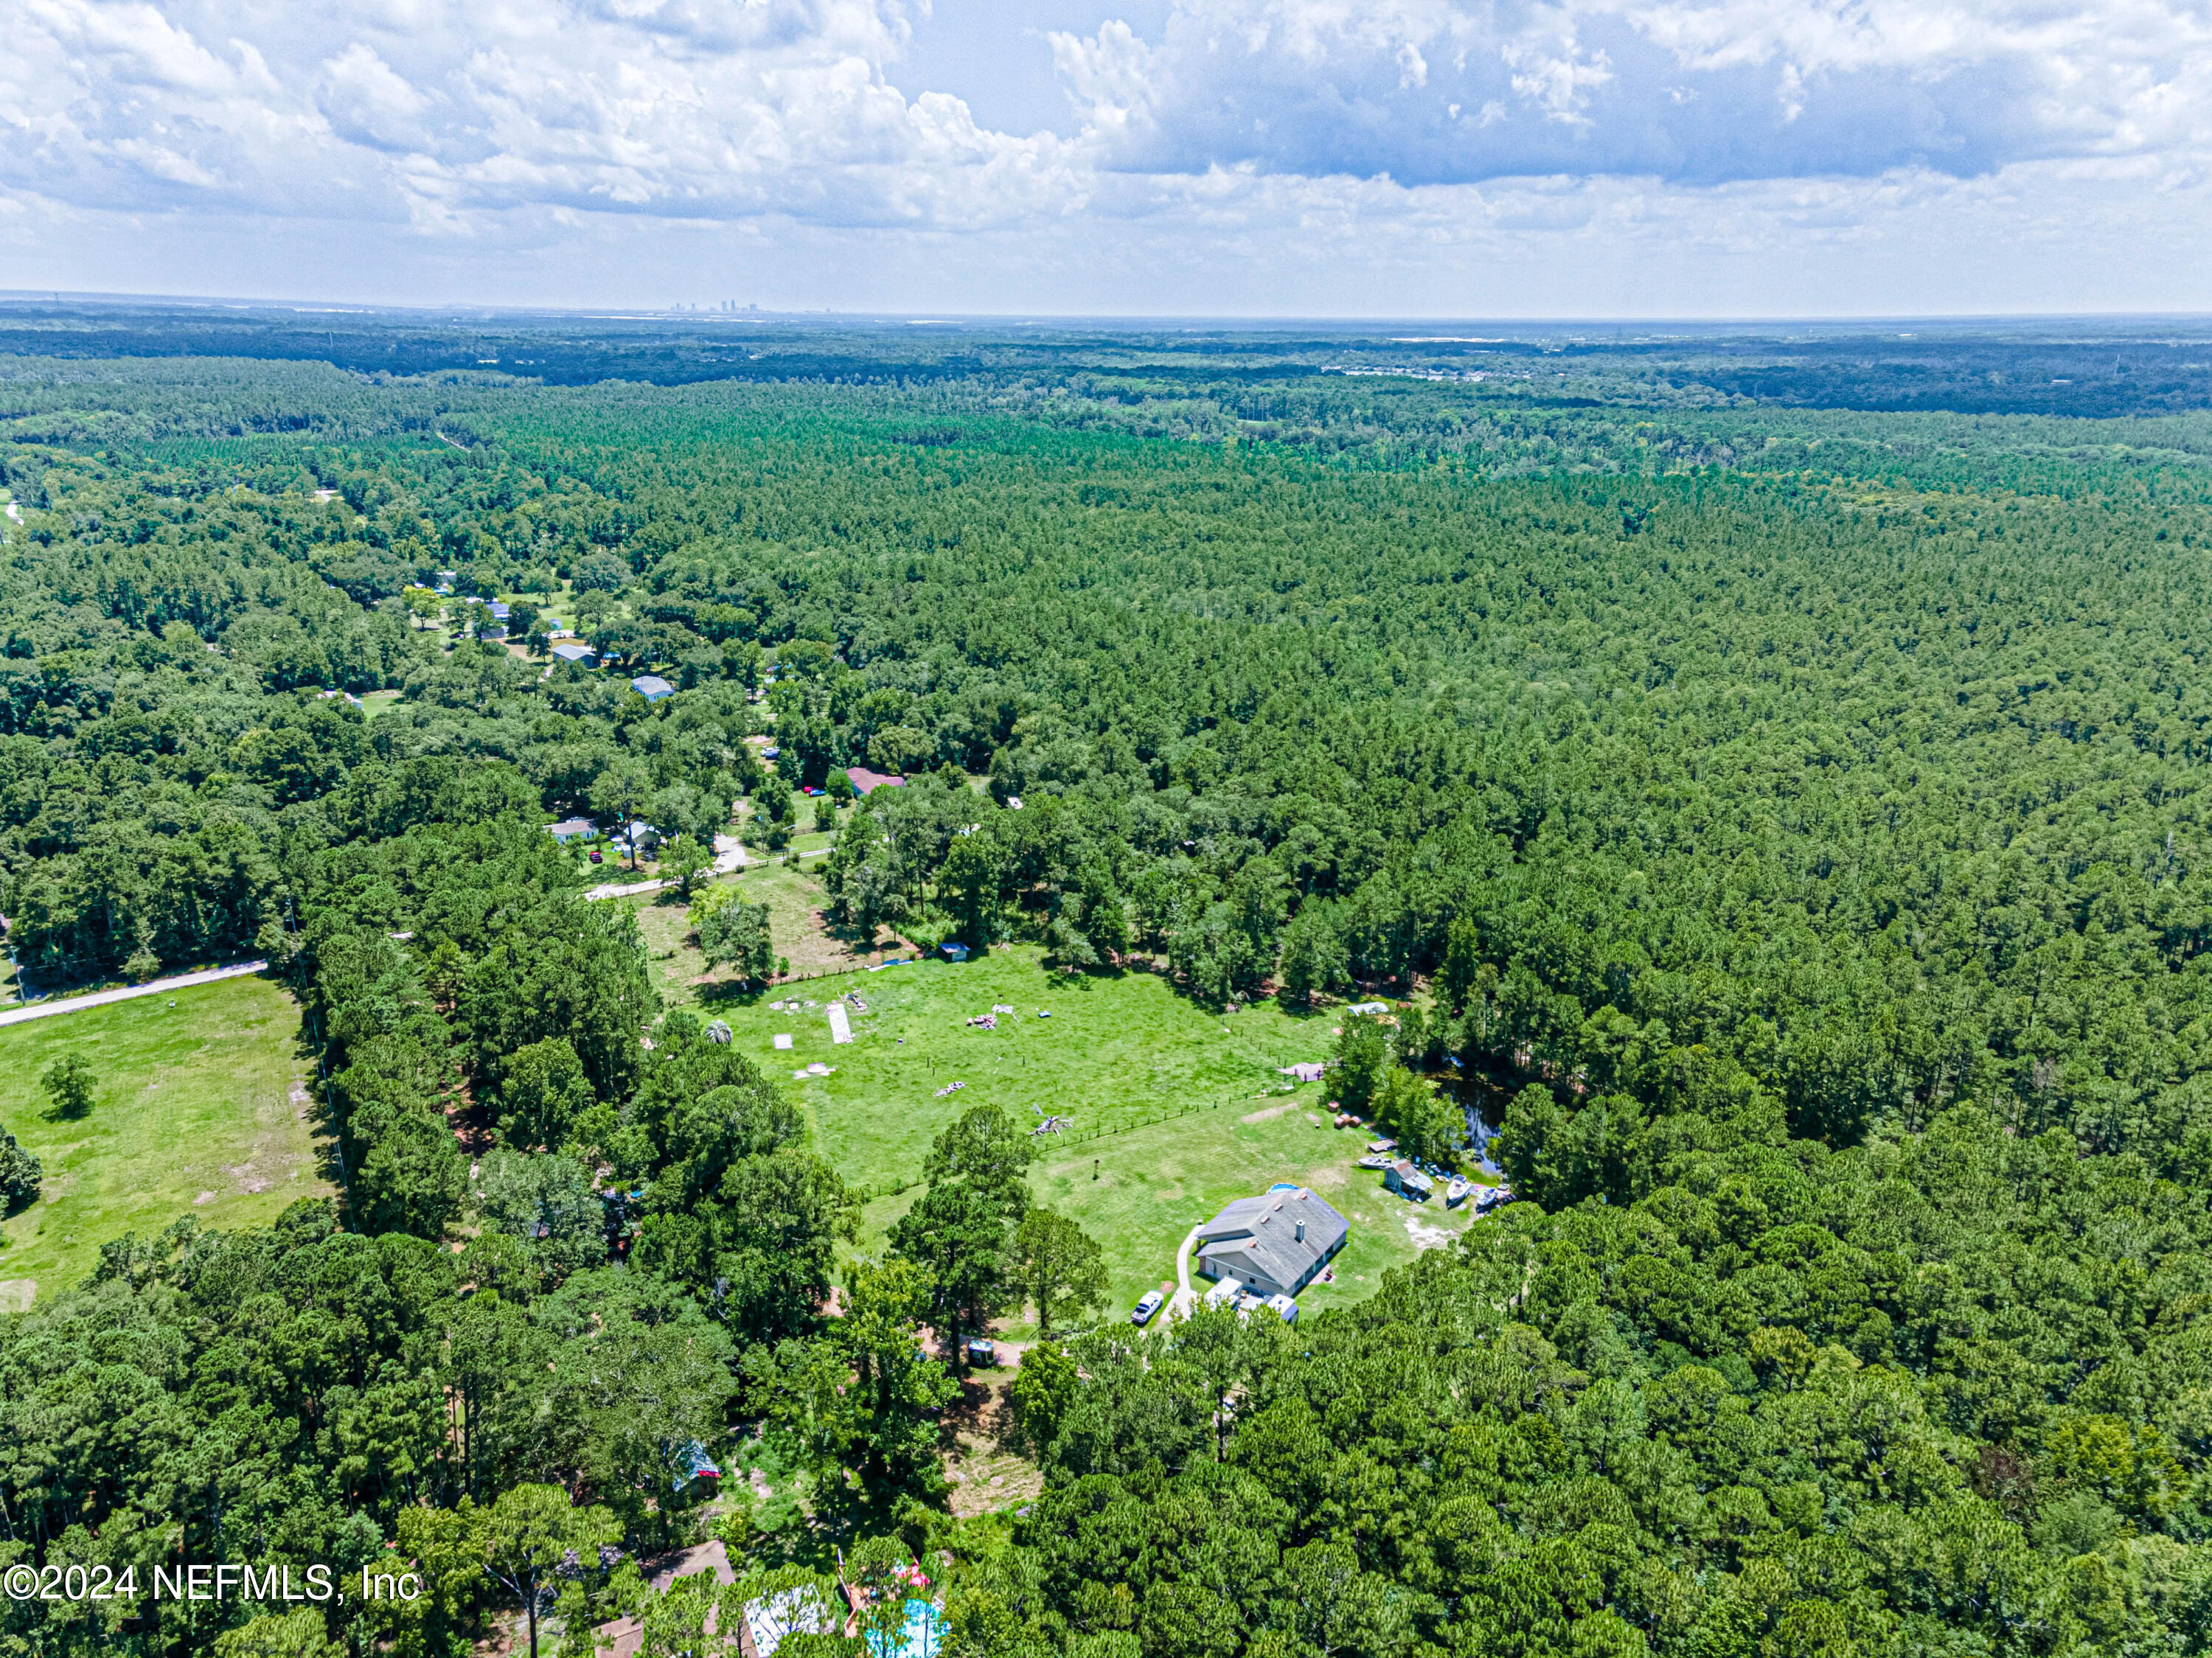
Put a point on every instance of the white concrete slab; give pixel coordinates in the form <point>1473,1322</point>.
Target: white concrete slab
<point>841,1028</point>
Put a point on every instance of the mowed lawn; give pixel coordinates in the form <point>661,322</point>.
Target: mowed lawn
<point>1204,1115</point>
<point>201,1108</point>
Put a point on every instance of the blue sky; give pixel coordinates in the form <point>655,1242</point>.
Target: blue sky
<point>1509,158</point>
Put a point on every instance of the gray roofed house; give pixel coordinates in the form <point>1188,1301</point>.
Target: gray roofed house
<point>651,686</point>
<point>572,828</point>
<point>1274,1245</point>
<point>570,651</point>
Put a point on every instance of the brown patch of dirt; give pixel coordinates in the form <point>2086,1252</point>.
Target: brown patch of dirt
<point>983,1474</point>
<point>470,1121</point>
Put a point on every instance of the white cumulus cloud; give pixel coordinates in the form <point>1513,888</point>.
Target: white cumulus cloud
<point>434,110</point>
<point>1298,155</point>
<point>1678,89</point>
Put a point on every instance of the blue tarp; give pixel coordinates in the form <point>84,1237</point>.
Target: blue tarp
<point>921,1638</point>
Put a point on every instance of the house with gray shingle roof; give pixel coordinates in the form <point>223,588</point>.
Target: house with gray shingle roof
<point>1274,1244</point>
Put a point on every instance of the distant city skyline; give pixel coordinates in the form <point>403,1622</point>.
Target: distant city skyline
<point>1224,159</point>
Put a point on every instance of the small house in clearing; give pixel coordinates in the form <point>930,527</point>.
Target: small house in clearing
<point>569,650</point>
<point>572,828</point>
<point>1274,1244</point>
<point>651,686</point>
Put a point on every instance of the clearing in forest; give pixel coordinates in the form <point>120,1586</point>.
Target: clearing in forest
<point>200,1108</point>
<point>794,897</point>
<point>1195,1103</point>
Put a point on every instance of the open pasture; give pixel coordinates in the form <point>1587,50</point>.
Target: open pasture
<point>201,1107</point>
<point>1195,1110</point>
<point>1099,1052</point>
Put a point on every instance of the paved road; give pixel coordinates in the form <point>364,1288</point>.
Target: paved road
<point>616,890</point>
<point>151,987</point>
<point>729,858</point>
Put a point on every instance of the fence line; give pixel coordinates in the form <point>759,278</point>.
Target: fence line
<point>769,984</point>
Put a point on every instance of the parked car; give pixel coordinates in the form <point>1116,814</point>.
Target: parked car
<point>1147,1307</point>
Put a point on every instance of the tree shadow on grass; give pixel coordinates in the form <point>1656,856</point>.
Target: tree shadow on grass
<point>321,1112</point>
<point>731,993</point>
<point>1088,976</point>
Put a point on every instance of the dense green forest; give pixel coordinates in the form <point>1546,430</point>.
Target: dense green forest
<point>1785,820</point>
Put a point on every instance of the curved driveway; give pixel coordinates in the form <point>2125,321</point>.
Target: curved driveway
<point>1184,1295</point>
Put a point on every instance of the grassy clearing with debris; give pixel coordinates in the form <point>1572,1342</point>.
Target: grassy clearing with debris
<point>795,898</point>
<point>1198,1111</point>
<point>201,1107</point>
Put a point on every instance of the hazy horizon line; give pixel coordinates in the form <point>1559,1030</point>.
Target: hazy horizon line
<point>683,310</point>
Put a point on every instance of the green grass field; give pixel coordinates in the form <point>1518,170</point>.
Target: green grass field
<point>794,897</point>
<point>202,1108</point>
<point>1123,1053</point>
